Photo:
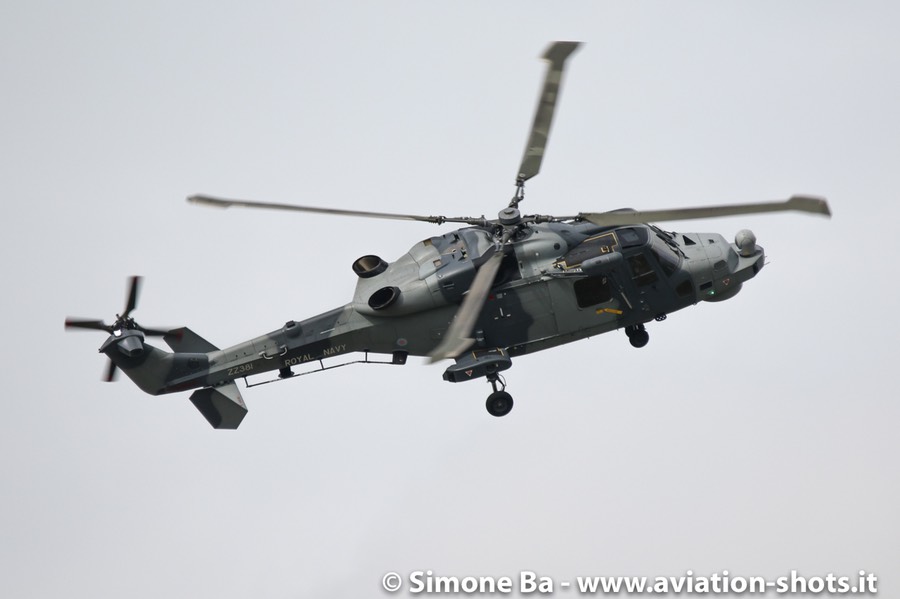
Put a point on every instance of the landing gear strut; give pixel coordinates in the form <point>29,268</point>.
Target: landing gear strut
<point>499,403</point>
<point>637,335</point>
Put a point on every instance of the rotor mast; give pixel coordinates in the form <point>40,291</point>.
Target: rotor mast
<point>458,337</point>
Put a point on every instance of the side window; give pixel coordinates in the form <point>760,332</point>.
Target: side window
<point>641,271</point>
<point>592,291</point>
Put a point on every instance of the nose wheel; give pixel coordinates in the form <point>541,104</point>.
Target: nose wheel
<point>499,403</point>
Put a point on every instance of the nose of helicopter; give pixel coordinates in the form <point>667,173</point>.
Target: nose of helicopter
<point>719,268</point>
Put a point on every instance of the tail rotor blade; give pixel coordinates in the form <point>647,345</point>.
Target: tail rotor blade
<point>151,332</point>
<point>78,323</point>
<point>111,371</point>
<point>134,289</point>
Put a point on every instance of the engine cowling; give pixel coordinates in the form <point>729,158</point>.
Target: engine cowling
<point>369,266</point>
<point>435,272</point>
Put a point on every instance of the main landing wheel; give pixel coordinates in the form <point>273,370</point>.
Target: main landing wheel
<point>499,403</point>
<point>637,335</point>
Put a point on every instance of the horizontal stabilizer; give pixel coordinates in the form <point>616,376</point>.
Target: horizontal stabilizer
<point>186,340</point>
<point>223,406</point>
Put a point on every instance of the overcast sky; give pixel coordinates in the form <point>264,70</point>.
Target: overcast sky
<point>758,435</point>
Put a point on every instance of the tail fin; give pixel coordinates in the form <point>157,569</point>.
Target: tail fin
<point>222,406</point>
<point>156,371</point>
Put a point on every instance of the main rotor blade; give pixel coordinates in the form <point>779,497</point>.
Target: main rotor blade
<point>799,203</point>
<point>227,203</point>
<point>556,55</point>
<point>458,337</point>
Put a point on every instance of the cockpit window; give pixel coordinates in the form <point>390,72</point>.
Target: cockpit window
<point>641,270</point>
<point>667,260</point>
<point>666,256</point>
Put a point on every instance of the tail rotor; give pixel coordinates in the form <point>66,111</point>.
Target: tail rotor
<point>130,345</point>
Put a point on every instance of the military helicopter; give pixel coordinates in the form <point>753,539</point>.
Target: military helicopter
<point>479,295</point>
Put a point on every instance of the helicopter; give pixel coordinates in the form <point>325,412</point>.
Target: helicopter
<point>479,295</point>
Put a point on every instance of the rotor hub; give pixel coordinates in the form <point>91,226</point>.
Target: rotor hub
<point>509,217</point>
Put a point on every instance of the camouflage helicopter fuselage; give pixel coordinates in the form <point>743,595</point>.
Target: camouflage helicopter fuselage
<point>558,282</point>
<point>480,295</point>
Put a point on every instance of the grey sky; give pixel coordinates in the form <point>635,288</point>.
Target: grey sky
<point>757,435</point>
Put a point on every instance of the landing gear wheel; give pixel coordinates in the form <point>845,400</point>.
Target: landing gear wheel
<point>639,339</point>
<point>499,403</point>
<point>637,335</point>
